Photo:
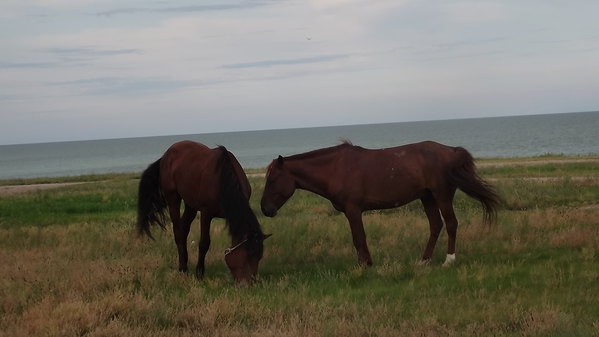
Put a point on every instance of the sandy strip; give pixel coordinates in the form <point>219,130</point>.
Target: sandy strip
<point>20,189</point>
<point>592,179</point>
<point>531,162</point>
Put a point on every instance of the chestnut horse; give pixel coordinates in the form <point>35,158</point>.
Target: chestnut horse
<point>212,182</point>
<point>355,180</point>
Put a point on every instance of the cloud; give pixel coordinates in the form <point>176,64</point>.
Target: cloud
<point>90,51</point>
<point>336,4</point>
<point>126,86</point>
<point>23,65</point>
<point>76,56</point>
<point>470,42</point>
<point>272,63</point>
<point>181,9</point>
<point>65,3</point>
<point>6,98</point>
<point>476,12</point>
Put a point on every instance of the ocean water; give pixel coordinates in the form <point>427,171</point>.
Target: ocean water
<point>516,136</point>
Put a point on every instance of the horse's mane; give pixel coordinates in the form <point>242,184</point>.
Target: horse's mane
<point>239,216</point>
<point>327,150</point>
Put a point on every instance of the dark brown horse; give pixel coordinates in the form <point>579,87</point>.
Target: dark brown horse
<point>355,179</point>
<point>212,182</point>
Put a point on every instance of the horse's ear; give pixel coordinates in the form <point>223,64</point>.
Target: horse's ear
<point>266,236</point>
<point>280,160</point>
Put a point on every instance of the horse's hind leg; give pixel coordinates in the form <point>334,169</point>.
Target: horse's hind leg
<point>180,230</point>
<point>435,223</point>
<point>451,224</point>
<point>188,215</point>
<point>204,244</point>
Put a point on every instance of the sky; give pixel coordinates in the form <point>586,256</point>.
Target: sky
<point>96,69</point>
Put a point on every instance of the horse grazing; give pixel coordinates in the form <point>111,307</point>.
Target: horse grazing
<point>212,182</point>
<point>355,179</point>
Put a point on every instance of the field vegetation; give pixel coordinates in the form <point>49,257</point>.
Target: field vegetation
<point>72,265</point>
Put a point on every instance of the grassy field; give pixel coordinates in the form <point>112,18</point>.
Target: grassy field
<point>71,265</point>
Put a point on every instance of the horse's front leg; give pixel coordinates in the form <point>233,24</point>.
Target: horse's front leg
<point>204,245</point>
<point>354,216</point>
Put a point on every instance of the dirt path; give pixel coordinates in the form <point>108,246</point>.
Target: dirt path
<point>20,189</point>
<point>530,162</point>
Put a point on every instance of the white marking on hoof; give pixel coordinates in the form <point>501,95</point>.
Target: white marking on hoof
<point>449,260</point>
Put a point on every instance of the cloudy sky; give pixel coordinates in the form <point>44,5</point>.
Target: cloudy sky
<point>92,69</point>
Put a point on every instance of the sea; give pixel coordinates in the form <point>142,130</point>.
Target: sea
<point>513,136</point>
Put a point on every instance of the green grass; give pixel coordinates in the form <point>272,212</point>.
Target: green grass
<point>522,194</point>
<point>73,265</point>
<point>97,201</point>
<point>582,169</point>
<point>70,179</point>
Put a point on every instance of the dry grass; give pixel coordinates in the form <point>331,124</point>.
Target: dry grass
<point>61,282</point>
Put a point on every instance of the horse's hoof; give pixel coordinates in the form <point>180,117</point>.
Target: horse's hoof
<point>367,263</point>
<point>423,262</point>
<point>449,260</point>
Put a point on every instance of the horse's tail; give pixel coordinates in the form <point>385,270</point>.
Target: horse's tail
<point>239,216</point>
<point>151,204</point>
<point>463,175</point>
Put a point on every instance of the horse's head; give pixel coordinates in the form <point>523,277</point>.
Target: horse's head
<point>244,257</point>
<point>279,187</point>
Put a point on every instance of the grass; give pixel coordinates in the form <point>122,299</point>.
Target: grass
<point>97,201</point>
<point>73,266</point>
<point>69,179</point>
<point>542,170</point>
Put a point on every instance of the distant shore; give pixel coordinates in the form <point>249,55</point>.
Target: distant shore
<point>20,186</point>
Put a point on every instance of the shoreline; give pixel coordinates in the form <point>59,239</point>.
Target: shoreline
<point>11,190</point>
<point>13,187</point>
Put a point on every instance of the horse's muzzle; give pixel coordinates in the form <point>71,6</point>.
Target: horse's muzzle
<point>269,211</point>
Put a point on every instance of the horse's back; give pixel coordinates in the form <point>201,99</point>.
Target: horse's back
<point>407,158</point>
<point>187,158</point>
<point>390,177</point>
<point>425,157</point>
<point>191,170</point>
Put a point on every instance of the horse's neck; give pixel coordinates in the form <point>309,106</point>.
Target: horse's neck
<point>314,174</point>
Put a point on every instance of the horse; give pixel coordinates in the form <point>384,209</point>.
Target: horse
<point>212,182</point>
<point>355,180</point>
